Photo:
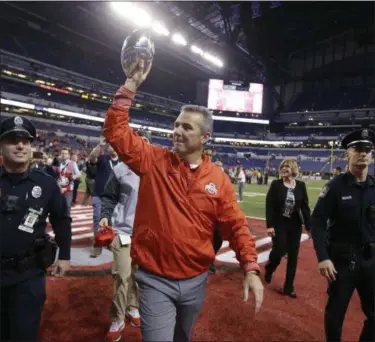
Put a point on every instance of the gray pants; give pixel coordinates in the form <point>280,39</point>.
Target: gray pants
<point>240,190</point>
<point>169,308</point>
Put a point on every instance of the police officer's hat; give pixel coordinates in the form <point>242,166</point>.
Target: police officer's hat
<point>360,138</point>
<point>17,127</point>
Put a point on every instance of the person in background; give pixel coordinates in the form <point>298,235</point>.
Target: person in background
<point>337,171</point>
<point>287,213</point>
<point>184,195</point>
<point>76,181</point>
<point>67,172</point>
<point>105,158</point>
<point>346,248</point>
<point>266,172</point>
<point>91,172</point>
<point>119,200</point>
<point>241,180</point>
<point>219,164</point>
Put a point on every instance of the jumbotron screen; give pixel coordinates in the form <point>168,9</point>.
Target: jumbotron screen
<point>235,96</point>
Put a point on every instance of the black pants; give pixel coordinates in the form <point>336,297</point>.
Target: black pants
<point>340,292</point>
<point>75,190</point>
<point>21,309</point>
<point>286,241</point>
<point>218,241</point>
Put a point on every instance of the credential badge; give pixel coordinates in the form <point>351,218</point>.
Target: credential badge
<point>18,121</point>
<point>36,192</point>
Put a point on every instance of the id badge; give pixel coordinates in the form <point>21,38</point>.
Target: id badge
<point>125,240</point>
<point>28,224</point>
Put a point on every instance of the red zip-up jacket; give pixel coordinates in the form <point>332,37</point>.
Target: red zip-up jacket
<point>177,207</point>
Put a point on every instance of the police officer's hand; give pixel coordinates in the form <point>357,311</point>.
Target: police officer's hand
<point>271,232</point>
<point>252,282</point>
<point>327,270</point>
<point>103,222</point>
<point>60,268</point>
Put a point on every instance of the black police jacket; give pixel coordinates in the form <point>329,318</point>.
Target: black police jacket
<point>26,202</point>
<point>342,214</point>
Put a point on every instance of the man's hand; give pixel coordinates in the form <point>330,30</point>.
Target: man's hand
<point>102,141</point>
<point>103,222</point>
<point>138,77</point>
<point>252,282</point>
<point>327,270</point>
<point>271,232</point>
<point>60,268</point>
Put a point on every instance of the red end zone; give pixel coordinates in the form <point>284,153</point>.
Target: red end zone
<point>82,239</point>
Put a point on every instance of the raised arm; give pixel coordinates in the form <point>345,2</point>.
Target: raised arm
<point>131,148</point>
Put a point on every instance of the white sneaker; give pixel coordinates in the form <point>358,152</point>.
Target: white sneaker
<point>133,317</point>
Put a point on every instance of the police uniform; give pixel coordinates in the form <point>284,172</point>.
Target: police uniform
<point>27,199</point>
<point>349,242</point>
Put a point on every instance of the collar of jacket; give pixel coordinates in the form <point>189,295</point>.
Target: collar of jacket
<point>351,180</point>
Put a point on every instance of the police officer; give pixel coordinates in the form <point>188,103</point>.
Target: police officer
<point>345,245</point>
<point>27,197</point>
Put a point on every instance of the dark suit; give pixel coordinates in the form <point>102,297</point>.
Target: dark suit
<point>287,222</point>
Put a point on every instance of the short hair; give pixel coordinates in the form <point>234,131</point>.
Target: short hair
<point>293,165</point>
<point>65,149</point>
<point>338,168</point>
<point>208,120</point>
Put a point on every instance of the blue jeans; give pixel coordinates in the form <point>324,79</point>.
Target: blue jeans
<point>97,207</point>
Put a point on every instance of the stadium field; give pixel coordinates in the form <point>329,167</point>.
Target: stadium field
<point>253,203</point>
<point>255,196</point>
<point>225,317</point>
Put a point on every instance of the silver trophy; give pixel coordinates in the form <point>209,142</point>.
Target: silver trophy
<point>137,46</point>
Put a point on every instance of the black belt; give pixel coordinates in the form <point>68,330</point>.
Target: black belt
<point>19,264</point>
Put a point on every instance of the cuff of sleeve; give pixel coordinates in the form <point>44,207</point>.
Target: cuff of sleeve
<point>251,267</point>
<point>64,253</point>
<point>124,92</point>
<point>323,257</point>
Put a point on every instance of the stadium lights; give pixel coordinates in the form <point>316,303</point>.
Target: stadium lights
<point>213,60</point>
<point>256,142</point>
<point>142,18</point>
<point>136,14</point>
<point>160,28</point>
<point>197,50</point>
<point>207,56</point>
<point>179,39</point>
<point>228,118</point>
<point>153,129</point>
<point>17,104</point>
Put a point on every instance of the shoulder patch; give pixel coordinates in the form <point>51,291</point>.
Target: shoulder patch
<point>324,192</point>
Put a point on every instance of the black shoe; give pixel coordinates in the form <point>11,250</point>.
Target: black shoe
<point>268,276</point>
<point>291,294</point>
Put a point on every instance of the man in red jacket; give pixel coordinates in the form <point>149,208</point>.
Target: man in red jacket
<point>182,196</point>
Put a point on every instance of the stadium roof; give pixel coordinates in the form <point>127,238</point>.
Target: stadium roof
<point>253,39</point>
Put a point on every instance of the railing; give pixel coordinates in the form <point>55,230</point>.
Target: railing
<point>51,72</point>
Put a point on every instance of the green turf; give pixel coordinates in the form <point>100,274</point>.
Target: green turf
<point>255,196</point>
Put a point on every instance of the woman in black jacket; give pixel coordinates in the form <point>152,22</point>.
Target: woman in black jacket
<point>287,212</point>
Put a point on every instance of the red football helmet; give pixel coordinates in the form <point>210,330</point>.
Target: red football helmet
<point>104,236</point>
